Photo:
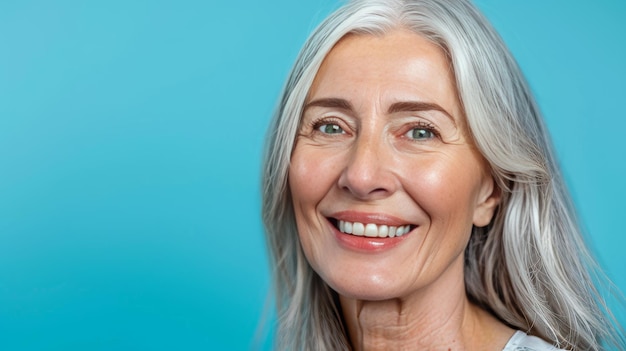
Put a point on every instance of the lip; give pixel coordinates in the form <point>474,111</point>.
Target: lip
<point>362,243</point>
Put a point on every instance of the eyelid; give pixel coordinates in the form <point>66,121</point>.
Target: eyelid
<point>323,120</point>
<point>423,125</point>
<point>317,122</point>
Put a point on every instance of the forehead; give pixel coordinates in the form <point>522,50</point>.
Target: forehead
<point>398,65</point>
<point>399,43</point>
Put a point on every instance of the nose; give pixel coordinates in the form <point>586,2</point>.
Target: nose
<point>368,173</point>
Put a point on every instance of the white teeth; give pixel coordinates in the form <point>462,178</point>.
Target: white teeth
<point>347,226</point>
<point>383,230</point>
<point>403,230</point>
<point>372,230</point>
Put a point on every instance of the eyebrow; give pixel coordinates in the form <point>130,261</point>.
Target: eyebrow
<point>410,106</point>
<point>401,106</point>
<point>330,103</point>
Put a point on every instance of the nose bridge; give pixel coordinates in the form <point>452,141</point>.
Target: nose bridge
<point>367,172</point>
<point>366,154</point>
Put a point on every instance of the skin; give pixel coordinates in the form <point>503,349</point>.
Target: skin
<point>414,163</point>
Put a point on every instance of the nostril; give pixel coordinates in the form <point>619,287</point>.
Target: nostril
<point>367,179</point>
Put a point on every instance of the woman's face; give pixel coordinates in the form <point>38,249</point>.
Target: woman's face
<point>384,179</point>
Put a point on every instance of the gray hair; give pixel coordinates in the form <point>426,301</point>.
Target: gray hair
<point>529,266</point>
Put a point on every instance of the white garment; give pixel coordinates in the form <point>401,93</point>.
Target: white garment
<point>520,341</point>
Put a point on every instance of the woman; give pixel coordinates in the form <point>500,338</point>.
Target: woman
<point>411,199</point>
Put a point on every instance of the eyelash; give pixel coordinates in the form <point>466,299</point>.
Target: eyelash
<point>315,124</point>
<point>426,126</point>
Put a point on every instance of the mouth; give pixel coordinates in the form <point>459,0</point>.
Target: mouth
<point>371,230</point>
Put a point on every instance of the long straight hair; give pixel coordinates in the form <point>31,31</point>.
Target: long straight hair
<point>529,267</point>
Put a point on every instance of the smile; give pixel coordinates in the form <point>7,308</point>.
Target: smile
<point>372,230</point>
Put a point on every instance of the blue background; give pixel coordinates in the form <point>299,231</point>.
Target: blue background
<point>130,143</point>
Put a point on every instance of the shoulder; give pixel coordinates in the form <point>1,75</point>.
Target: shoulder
<point>520,341</point>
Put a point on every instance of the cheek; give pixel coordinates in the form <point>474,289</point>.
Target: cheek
<point>311,177</point>
<point>312,174</point>
<point>303,179</point>
<point>446,188</point>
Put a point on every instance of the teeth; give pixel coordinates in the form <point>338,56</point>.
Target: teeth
<point>383,231</point>
<point>358,229</point>
<point>347,227</point>
<point>373,230</point>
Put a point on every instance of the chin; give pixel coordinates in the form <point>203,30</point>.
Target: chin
<point>369,288</point>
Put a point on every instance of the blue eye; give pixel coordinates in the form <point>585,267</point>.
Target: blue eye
<point>330,128</point>
<point>420,133</point>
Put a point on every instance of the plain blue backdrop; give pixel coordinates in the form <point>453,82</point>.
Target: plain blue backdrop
<point>130,143</point>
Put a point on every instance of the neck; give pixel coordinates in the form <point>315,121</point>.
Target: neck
<point>434,318</point>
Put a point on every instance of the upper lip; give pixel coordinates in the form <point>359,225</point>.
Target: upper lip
<point>369,217</point>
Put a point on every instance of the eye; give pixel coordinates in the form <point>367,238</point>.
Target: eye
<point>330,128</point>
<point>421,133</point>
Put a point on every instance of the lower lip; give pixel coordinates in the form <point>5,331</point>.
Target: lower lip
<point>365,243</point>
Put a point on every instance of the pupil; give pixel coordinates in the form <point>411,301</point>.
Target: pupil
<point>331,128</point>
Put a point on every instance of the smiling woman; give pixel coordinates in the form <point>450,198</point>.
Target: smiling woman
<point>387,169</point>
<point>411,200</point>
<point>380,210</point>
